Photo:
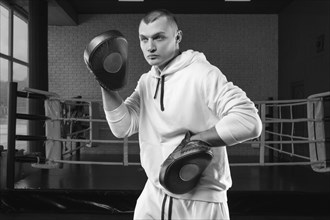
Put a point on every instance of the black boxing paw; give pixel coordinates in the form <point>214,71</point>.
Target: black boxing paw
<point>106,56</point>
<point>181,171</point>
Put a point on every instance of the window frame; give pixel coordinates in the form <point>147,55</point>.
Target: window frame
<point>8,56</point>
<point>13,11</point>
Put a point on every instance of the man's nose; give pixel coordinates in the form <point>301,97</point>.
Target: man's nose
<point>151,46</point>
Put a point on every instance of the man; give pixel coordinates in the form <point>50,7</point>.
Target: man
<point>181,92</point>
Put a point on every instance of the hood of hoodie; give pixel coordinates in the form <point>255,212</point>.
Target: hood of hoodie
<point>178,63</point>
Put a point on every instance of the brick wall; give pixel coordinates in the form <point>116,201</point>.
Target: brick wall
<point>244,47</point>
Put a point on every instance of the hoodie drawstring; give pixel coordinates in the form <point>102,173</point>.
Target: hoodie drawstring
<point>170,205</point>
<point>162,79</point>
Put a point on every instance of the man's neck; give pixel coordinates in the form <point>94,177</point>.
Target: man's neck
<point>177,53</point>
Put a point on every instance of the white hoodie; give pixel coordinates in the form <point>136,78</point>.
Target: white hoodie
<point>196,97</point>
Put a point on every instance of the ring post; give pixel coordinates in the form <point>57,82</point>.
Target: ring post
<point>316,132</point>
<point>12,107</point>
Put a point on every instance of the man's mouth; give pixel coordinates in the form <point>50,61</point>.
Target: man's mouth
<point>152,57</point>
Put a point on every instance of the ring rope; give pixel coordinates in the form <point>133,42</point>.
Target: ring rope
<point>268,120</point>
<point>136,141</point>
<point>74,150</point>
<point>288,104</point>
<point>93,141</point>
<point>283,120</point>
<point>281,102</point>
<point>231,164</point>
<point>65,100</point>
<point>286,142</point>
<point>78,132</point>
<point>78,119</point>
<point>277,164</point>
<point>288,153</point>
<point>285,135</point>
<point>94,162</point>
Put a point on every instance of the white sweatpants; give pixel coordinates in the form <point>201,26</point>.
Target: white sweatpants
<point>154,204</point>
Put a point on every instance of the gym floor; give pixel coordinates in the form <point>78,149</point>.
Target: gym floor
<point>109,192</point>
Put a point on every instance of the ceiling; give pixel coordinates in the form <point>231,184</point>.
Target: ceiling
<point>65,12</point>
<point>178,6</point>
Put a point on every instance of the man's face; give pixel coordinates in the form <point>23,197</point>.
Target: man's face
<point>158,42</point>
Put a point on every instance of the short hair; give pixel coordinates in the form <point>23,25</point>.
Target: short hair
<point>155,14</point>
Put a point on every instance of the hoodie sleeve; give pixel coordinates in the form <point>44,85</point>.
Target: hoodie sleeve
<point>238,117</point>
<point>124,120</point>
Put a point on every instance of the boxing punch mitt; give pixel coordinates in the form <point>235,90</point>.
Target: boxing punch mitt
<point>106,57</point>
<point>182,169</point>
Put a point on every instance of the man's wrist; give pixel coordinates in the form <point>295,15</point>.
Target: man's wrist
<point>209,136</point>
<point>111,100</point>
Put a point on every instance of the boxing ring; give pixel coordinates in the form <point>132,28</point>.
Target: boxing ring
<point>292,150</point>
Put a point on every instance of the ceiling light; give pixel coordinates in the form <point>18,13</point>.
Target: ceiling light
<point>130,0</point>
<point>237,0</point>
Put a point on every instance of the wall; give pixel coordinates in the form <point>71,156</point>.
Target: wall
<point>244,47</point>
<point>304,67</point>
<point>304,57</point>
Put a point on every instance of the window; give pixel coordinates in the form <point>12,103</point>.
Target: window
<point>13,67</point>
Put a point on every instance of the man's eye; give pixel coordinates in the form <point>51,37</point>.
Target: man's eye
<point>159,38</point>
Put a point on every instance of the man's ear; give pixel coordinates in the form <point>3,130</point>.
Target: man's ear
<point>179,36</point>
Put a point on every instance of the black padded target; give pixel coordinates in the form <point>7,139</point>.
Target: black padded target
<point>182,175</point>
<point>106,56</point>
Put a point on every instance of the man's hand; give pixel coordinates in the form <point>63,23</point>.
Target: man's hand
<point>111,100</point>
